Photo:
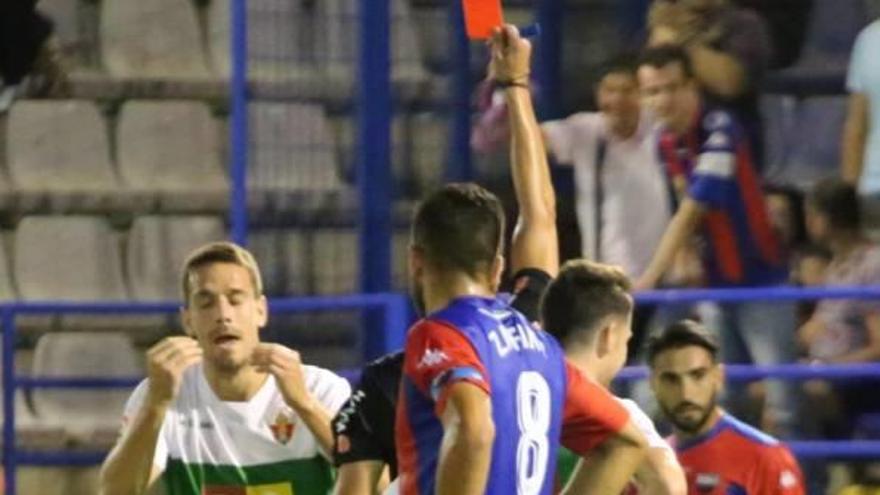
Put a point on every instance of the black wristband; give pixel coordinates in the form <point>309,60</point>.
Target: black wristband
<point>511,84</point>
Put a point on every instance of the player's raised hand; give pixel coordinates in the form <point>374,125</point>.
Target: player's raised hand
<point>286,366</point>
<point>511,55</point>
<point>166,362</point>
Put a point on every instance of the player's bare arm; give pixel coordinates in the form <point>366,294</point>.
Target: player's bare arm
<point>660,474</point>
<point>611,465</point>
<point>361,478</point>
<point>468,435</point>
<point>534,243</point>
<point>682,226</point>
<point>129,469</point>
<point>286,366</point>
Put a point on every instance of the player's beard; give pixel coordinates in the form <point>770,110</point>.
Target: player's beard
<point>691,427</point>
<point>417,293</point>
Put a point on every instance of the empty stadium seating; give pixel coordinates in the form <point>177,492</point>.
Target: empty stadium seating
<point>340,35</point>
<point>824,57</point>
<point>158,246</point>
<point>293,162</point>
<point>70,258</point>
<point>282,43</point>
<point>89,417</point>
<point>59,157</point>
<point>283,255</point>
<point>400,167</point>
<point>832,31</point>
<point>335,261</point>
<point>169,152</point>
<point>802,137</point>
<point>429,147</point>
<point>7,287</point>
<point>158,39</point>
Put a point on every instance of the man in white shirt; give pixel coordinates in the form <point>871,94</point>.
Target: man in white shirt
<point>623,200</point>
<point>861,137</point>
<point>220,412</point>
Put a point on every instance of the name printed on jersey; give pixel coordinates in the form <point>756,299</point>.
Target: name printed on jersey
<point>512,338</point>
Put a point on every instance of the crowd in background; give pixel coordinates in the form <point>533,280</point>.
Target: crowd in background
<point>656,165</point>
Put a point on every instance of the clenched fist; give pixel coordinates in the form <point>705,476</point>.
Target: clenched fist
<point>511,55</point>
<point>166,362</point>
<point>287,368</point>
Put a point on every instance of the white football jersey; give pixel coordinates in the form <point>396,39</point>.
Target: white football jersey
<point>258,447</point>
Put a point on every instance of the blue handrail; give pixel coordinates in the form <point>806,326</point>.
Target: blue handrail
<point>391,335</point>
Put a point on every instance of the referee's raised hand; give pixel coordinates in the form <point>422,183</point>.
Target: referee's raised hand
<point>511,55</point>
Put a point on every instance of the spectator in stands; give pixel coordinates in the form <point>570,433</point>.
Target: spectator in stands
<point>730,49</point>
<point>861,136</point>
<point>27,47</point>
<point>810,262</point>
<point>709,158</point>
<point>842,331</point>
<point>618,175</point>
<point>221,412</point>
<point>785,206</point>
<point>719,453</point>
<point>623,201</point>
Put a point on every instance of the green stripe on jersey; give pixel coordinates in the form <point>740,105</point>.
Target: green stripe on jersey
<point>565,464</point>
<point>302,477</point>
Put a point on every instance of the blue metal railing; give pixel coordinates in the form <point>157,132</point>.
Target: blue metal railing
<point>393,308</point>
<point>238,125</point>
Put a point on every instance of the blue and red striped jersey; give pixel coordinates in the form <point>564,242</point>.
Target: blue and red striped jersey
<point>537,397</point>
<point>715,158</point>
<point>735,459</point>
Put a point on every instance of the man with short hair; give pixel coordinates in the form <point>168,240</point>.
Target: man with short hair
<point>731,50</point>
<point>709,160</point>
<point>474,366</point>
<point>720,454</point>
<point>622,199</point>
<point>364,427</point>
<point>588,308</point>
<point>220,412</point>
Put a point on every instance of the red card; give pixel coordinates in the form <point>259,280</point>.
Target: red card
<point>481,17</point>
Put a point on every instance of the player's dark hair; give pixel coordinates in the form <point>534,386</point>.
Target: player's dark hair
<point>684,333</point>
<point>663,55</point>
<point>581,298</point>
<point>839,202</point>
<point>460,227</point>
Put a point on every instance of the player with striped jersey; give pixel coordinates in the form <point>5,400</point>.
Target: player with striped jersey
<point>486,398</point>
<point>221,413</point>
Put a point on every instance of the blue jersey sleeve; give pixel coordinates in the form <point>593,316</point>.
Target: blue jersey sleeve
<point>714,177</point>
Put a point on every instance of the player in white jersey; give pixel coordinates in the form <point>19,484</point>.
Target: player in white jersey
<point>588,308</point>
<point>221,413</point>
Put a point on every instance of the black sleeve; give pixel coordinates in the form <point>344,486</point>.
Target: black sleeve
<point>527,286</point>
<point>363,430</point>
<point>354,438</point>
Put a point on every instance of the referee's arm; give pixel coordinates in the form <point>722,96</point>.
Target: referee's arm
<point>535,243</point>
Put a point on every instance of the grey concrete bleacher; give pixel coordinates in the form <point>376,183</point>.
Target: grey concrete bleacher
<point>169,152</point>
